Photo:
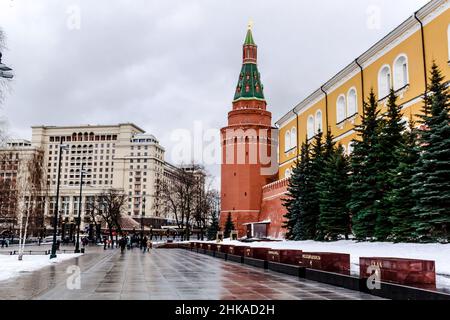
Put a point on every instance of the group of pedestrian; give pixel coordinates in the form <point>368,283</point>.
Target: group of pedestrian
<point>146,244</point>
<point>127,242</point>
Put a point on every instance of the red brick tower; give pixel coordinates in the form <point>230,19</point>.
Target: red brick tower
<point>244,140</point>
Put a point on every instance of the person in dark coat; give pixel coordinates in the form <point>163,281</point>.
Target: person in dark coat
<point>122,244</point>
<point>144,243</point>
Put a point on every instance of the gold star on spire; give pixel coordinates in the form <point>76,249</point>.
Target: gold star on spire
<point>250,24</point>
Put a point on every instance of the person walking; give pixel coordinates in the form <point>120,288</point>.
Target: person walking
<point>122,244</point>
<point>144,243</point>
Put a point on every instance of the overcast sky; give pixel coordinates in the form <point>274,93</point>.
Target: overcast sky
<point>165,64</point>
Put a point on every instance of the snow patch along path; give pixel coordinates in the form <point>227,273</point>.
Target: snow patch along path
<point>439,253</point>
<point>11,267</point>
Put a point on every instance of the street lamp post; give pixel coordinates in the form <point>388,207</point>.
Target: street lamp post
<point>77,246</point>
<point>142,217</point>
<point>55,218</point>
<point>5,72</point>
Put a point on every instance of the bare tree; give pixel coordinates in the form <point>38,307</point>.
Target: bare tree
<point>182,196</point>
<point>109,205</point>
<point>30,196</point>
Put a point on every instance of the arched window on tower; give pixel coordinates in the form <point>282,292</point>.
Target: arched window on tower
<point>401,78</point>
<point>310,127</point>
<point>340,109</point>
<point>318,125</point>
<point>352,102</point>
<point>287,141</point>
<point>384,82</point>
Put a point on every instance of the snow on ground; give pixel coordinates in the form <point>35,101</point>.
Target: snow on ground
<point>440,253</point>
<point>11,267</point>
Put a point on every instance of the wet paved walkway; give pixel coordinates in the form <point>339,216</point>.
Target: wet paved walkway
<point>167,275</point>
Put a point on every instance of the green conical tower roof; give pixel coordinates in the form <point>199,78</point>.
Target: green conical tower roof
<point>249,85</point>
<point>249,38</point>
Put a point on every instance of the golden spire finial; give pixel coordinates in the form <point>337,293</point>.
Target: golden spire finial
<point>250,24</point>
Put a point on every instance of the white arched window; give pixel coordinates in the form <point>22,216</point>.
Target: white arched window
<point>340,109</point>
<point>288,173</point>
<point>310,127</point>
<point>352,104</point>
<point>287,141</point>
<point>350,148</point>
<point>401,77</point>
<point>318,123</point>
<point>293,137</point>
<point>384,81</point>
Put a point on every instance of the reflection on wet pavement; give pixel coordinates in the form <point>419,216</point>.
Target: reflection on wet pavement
<point>167,275</point>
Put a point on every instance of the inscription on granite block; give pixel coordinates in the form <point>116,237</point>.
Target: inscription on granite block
<point>257,253</point>
<point>238,250</point>
<point>409,272</point>
<point>285,256</point>
<point>327,261</point>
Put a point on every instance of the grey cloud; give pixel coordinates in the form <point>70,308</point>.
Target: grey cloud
<point>165,64</point>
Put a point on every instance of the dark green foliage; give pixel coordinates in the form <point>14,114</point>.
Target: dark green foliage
<point>301,221</point>
<point>334,218</point>
<point>401,198</point>
<point>387,148</point>
<point>363,182</point>
<point>431,180</point>
<point>229,226</point>
<point>214,227</point>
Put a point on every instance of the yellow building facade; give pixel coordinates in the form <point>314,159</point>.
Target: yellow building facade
<point>401,60</point>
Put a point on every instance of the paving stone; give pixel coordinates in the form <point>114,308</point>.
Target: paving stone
<point>170,274</point>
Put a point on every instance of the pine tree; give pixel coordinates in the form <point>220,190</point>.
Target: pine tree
<point>401,197</point>
<point>309,200</point>
<point>387,148</point>
<point>229,226</point>
<point>363,183</point>
<point>329,147</point>
<point>293,202</point>
<point>431,180</point>
<point>334,218</point>
<point>214,227</point>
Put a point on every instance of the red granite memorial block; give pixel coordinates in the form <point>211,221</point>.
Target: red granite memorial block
<point>238,250</point>
<point>211,247</point>
<point>224,248</point>
<point>257,253</point>
<point>326,261</point>
<point>285,256</point>
<point>409,272</point>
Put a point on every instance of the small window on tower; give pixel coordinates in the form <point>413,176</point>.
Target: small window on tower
<point>247,88</point>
